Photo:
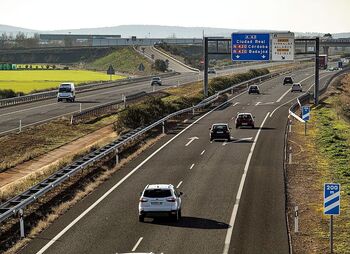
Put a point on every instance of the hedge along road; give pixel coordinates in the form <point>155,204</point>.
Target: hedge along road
<point>41,111</point>
<point>107,222</point>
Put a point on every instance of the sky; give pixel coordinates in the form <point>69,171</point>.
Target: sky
<point>293,15</point>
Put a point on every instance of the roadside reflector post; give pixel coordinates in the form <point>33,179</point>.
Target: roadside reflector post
<point>20,126</point>
<point>163,127</point>
<point>178,83</point>
<point>21,222</point>
<point>192,110</point>
<point>290,125</point>
<point>71,120</point>
<point>116,156</point>
<point>154,88</point>
<point>124,99</point>
<point>296,220</point>
<point>79,107</point>
<point>290,155</point>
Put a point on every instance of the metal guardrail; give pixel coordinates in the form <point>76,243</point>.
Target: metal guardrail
<point>79,89</point>
<point>14,205</point>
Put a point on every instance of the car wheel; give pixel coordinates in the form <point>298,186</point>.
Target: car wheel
<point>141,218</point>
<point>180,214</point>
<point>228,139</point>
<point>176,216</point>
<point>237,126</point>
<point>253,127</point>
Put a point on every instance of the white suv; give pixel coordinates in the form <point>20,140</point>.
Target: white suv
<point>158,200</point>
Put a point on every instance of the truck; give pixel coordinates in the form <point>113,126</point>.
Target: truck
<point>323,62</point>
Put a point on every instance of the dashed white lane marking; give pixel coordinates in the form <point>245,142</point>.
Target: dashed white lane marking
<point>236,103</point>
<point>137,244</point>
<point>257,103</point>
<point>179,184</point>
<point>192,166</point>
<point>202,152</point>
<point>240,190</point>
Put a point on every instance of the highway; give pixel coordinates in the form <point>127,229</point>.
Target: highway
<point>233,202</point>
<point>41,111</point>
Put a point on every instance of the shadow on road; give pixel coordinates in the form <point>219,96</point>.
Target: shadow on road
<point>191,222</point>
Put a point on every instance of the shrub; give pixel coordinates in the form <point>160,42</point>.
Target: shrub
<point>221,83</point>
<point>160,65</point>
<point>8,93</point>
<point>142,114</point>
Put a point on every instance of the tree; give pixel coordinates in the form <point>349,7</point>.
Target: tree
<point>160,65</point>
<point>328,36</point>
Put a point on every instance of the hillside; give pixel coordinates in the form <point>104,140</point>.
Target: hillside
<point>124,60</point>
<point>154,31</point>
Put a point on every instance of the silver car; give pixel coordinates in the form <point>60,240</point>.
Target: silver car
<point>297,87</point>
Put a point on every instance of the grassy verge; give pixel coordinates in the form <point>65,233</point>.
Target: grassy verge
<point>322,156</point>
<point>125,60</point>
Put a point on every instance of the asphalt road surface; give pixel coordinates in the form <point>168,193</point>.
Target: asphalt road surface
<point>41,111</point>
<point>233,202</point>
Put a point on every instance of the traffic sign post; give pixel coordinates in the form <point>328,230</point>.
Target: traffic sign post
<point>331,204</point>
<point>305,115</point>
<point>110,72</point>
<point>250,47</point>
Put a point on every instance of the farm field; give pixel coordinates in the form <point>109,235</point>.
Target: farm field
<point>30,80</point>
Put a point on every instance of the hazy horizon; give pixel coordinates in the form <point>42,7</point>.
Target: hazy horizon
<point>315,16</point>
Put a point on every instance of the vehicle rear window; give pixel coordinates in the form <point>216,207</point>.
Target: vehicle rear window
<point>220,127</point>
<point>157,193</point>
<point>245,117</point>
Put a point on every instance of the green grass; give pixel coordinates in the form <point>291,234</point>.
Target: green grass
<point>29,80</point>
<point>333,142</point>
<point>124,60</point>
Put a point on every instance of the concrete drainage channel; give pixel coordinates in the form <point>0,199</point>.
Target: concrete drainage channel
<point>16,205</point>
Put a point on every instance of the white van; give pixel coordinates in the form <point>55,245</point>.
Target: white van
<point>66,91</point>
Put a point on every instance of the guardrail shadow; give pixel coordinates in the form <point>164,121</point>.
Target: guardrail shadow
<point>190,222</point>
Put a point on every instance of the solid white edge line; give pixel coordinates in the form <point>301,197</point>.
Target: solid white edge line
<point>179,184</point>
<point>137,244</point>
<point>62,232</point>
<point>240,190</point>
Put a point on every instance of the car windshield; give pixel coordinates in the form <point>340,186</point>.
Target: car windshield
<point>157,193</point>
<point>253,87</point>
<point>156,78</point>
<point>64,89</point>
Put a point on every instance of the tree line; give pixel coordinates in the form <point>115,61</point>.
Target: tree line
<point>20,40</point>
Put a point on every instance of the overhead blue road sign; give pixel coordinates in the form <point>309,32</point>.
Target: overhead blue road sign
<point>250,47</point>
<point>306,113</point>
<point>331,198</point>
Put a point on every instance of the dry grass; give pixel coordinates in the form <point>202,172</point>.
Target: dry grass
<point>63,207</point>
<point>38,140</point>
